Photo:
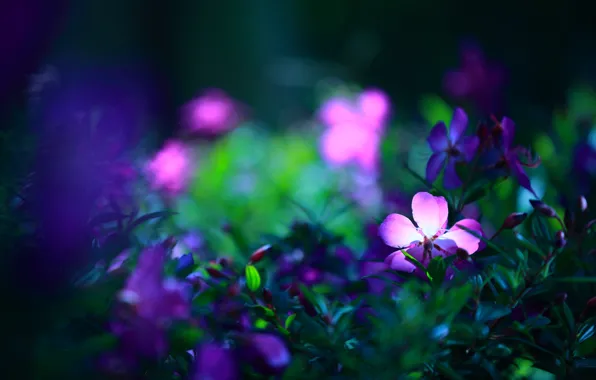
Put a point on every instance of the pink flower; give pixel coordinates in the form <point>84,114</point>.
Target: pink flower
<point>430,238</point>
<point>171,167</point>
<point>211,113</point>
<point>354,129</point>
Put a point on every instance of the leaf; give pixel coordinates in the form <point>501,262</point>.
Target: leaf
<point>148,217</point>
<point>253,278</point>
<point>184,338</point>
<point>413,260</point>
<point>488,311</point>
<point>435,109</point>
<point>436,271</point>
<point>289,320</point>
<point>589,280</point>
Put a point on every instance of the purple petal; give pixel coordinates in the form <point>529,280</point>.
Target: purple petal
<point>215,362</point>
<point>429,212</point>
<point>508,132</point>
<point>268,353</point>
<point>397,261</point>
<point>458,125</point>
<point>435,165</point>
<point>473,225</point>
<point>450,178</point>
<point>437,139</point>
<point>468,146</point>
<point>398,231</point>
<point>522,178</point>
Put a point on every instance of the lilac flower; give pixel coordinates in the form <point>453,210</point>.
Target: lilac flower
<point>430,238</point>
<point>584,164</point>
<point>476,80</point>
<point>267,353</point>
<point>171,168</point>
<point>507,156</point>
<point>449,148</point>
<point>212,113</point>
<point>371,262</point>
<point>213,362</point>
<point>354,129</point>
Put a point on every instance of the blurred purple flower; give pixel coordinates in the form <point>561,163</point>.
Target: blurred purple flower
<point>214,362</point>
<point>372,261</point>
<point>267,353</point>
<point>354,129</point>
<point>584,165</point>
<point>171,168</point>
<point>430,238</point>
<point>449,148</point>
<point>212,113</point>
<point>475,80</point>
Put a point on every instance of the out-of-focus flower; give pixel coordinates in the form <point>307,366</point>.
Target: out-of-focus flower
<point>584,165</point>
<point>171,168</point>
<point>354,129</point>
<point>267,353</point>
<point>190,243</point>
<point>211,113</point>
<point>475,80</point>
<point>214,361</point>
<point>430,238</point>
<point>449,148</point>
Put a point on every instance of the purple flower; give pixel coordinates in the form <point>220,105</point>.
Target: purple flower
<point>213,362</point>
<point>171,168</point>
<point>584,164</point>
<point>212,113</point>
<point>449,148</point>
<point>267,353</point>
<point>475,80</point>
<point>507,156</point>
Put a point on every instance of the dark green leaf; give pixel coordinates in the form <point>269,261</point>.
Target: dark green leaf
<point>488,311</point>
<point>147,217</point>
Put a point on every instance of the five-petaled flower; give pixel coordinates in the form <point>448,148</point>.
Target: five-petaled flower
<point>354,129</point>
<point>449,148</point>
<point>430,238</point>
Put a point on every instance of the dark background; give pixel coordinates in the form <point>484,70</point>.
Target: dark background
<point>403,46</point>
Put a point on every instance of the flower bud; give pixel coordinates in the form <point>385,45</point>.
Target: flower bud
<point>583,203</point>
<point>267,296</point>
<point>224,262</point>
<point>215,273</point>
<point>543,208</point>
<point>294,290</point>
<point>560,298</point>
<point>307,305</point>
<point>560,239</point>
<point>569,219</point>
<point>514,220</point>
<point>259,254</point>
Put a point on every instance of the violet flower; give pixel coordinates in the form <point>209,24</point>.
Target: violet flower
<point>449,148</point>
<point>213,361</point>
<point>171,168</point>
<point>212,113</point>
<point>354,129</point>
<point>430,238</point>
<point>268,354</point>
<point>475,80</point>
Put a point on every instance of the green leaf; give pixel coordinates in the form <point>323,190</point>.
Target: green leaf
<point>417,263</point>
<point>184,338</point>
<point>289,320</point>
<point>147,217</point>
<point>436,271</point>
<point>253,278</point>
<point>435,109</point>
<point>488,311</point>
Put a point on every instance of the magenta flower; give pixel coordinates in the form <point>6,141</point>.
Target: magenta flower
<point>154,297</point>
<point>430,238</point>
<point>449,148</point>
<point>476,79</point>
<point>212,113</point>
<point>171,168</point>
<point>354,129</point>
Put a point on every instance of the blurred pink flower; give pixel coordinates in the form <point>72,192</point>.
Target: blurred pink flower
<point>354,129</point>
<point>476,79</point>
<point>171,168</point>
<point>212,113</point>
<point>430,238</point>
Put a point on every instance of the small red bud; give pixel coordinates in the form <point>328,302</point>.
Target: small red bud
<point>294,290</point>
<point>215,273</point>
<point>267,296</point>
<point>308,307</point>
<point>259,254</point>
<point>514,220</point>
<point>327,319</point>
<point>560,239</point>
<point>560,298</point>
<point>543,208</point>
<point>234,289</point>
<point>583,203</point>
<point>224,262</point>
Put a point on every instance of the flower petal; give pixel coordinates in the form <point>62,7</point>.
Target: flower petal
<point>397,261</point>
<point>398,231</point>
<point>508,132</point>
<point>437,139</point>
<point>427,213</point>
<point>337,111</point>
<point>473,225</point>
<point>458,125</point>
<point>450,178</point>
<point>522,178</point>
<point>338,145</point>
<point>468,146</point>
<point>435,163</point>
<point>459,238</point>
<point>443,210</point>
<point>374,106</point>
